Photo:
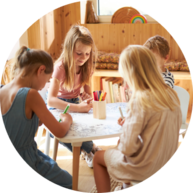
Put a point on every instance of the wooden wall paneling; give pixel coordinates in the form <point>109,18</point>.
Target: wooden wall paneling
<point>42,30</point>
<point>116,41</point>
<point>23,40</point>
<point>47,31</point>
<point>95,83</point>
<point>55,25</point>
<point>113,46</point>
<point>62,24</point>
<point>58,39</point>
<point>120,35</point>
<point>66,20</point>
<point>34,40</point>
<point>94,31</point>
<point>144,32</point>
<point>123,37</point>
<point>103,37</point>
<point>71,15</point>
<point>132,34</point>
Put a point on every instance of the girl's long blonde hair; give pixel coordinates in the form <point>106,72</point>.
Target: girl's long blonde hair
<point>138,67</point>
<point>82,34</point>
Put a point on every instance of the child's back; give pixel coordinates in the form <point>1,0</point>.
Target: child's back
<point>159,131</point>
<point>21,131</point>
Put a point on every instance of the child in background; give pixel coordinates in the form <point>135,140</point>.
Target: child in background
<point>23,109</point>
<point>151,128</point>
<point>73,70</point>
<point>160,48</point>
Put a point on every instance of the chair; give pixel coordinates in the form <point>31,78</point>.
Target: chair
<point>41,128</point>
<point>184,97</point>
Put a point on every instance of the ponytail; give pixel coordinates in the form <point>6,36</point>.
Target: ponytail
<point>31,59</point>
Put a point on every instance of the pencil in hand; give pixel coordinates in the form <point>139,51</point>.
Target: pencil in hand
<point>121,113</point>
<point>65,111</point>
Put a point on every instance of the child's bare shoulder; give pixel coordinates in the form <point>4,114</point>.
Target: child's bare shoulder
<point>33,93</point>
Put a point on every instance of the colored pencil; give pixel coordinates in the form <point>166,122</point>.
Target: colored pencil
<point>101,97</point>
<point>94,95</point>
<point>104,96</point>
<point>65,111</point>
<point>121,112</point>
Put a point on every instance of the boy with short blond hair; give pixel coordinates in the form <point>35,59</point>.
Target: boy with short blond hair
<point>160,48</point>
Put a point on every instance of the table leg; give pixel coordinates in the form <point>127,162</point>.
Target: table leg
<point>75,166</point>
<point>55,149</point>
<point>47,145</point>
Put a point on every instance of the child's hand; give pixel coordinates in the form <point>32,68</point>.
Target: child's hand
<point>66,117</point>
<point>121,121</point>
<point>85,96</point>
<point>85,106</point>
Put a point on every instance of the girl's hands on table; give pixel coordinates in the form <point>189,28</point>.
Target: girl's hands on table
<point>66,117</point>
<point>85,96</point>
<point>121,121</point>
<point>85,106</point>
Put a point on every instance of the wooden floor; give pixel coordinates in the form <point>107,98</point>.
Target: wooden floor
<point>86,178</point>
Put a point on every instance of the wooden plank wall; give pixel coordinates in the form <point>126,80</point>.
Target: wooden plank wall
<point>48,32</point>
<point>34,40</point>
<point>115,37</point>
<point>55,25</point>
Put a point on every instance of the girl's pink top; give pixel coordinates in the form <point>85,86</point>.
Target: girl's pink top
<point>59,73</point>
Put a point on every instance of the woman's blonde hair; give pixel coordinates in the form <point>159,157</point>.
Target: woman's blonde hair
<point>137,66</point>
<point>31,59</point>
<point>75,34</point>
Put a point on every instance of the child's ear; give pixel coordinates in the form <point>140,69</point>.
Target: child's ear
<point>41,69</point>
<point>167,57</point>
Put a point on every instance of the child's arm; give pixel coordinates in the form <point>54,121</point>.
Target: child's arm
<point>130,142</point>
<point>53,101</point>
<point>35,103</point>
<point>87,93</point>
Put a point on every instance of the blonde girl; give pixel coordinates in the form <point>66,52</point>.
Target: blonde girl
<point>73,70</point>
<point>23,109</point>
<point>151,127</point>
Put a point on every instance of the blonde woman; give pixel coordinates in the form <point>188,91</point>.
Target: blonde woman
<point>73,70</point>
<point>151,127</point>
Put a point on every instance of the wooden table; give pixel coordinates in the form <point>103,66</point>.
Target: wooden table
<point>86,128</point>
